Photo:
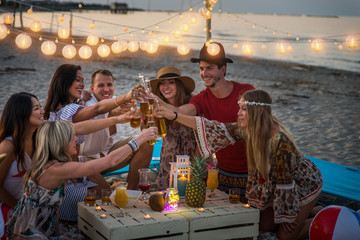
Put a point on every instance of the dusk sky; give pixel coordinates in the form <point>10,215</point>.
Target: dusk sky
<point>307,7</point>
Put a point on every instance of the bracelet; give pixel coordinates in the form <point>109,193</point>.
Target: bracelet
<point>116,103</point>
<point>133,143</point>
<point>176,115</point>
<point>78,101</point>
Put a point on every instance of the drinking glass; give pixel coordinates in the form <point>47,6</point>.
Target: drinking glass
<point>90,198</point>
<point>135,119</point>
<point>144,182</point>
<point>212,181</point>
<point>159,120</point>
<point>105,196</point>
<point>234,195</point>
<point>121,197</point>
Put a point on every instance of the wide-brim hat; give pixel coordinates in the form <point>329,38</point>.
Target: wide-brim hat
<point>172,73</point>
<point>217,59</point>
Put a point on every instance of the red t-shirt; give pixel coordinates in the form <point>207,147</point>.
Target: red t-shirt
<point>233,157</point>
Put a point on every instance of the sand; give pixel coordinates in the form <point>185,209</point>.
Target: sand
<point>320,106</point>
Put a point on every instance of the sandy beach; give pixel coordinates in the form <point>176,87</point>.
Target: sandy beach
<point>319,106</point>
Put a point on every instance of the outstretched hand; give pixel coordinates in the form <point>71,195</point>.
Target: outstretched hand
<point>149,133</point>
<point>124,118</point>
<point>165,112</point>
<point>136,92</point>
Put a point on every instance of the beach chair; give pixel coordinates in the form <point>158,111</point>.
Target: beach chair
<point>155,161</point>
<point>340,181</point>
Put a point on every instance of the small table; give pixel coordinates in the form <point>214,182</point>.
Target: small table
<point>219,220</point>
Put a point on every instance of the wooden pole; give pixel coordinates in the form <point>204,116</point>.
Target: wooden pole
<point>208,23</point>
<point>21,17</point>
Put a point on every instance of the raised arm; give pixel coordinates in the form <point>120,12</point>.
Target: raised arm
<point>170,114</point>
<point>187,109</point>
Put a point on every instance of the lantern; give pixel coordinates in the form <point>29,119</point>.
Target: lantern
<point>117,47</point>
<point>352,41</point>
<point>166,39</point>
<point>3,31</point>
<point>235,46</point>
<point>143,45</point>
<point>263,47</point>
<point>61,19</point>
<point>92,40</point>
<point>48,48</point>
<point>212,2</point>
<point>185,27</point>
<point>247,49</point>
<point>152,46</point>
<point>92,25</point>
<point>30,10</point>
<point>317,45</point>
<point>213,49</point>
<point>103,50</point>
<point>85,52</point>
<point>69,51</point>
<point>23,41</point>
<point>133,46</point>
<point>183,49</point>
<point>179,168</point>
<point>35,26</point>
<point>63,33</point>
<point>171,199</point>
<point>177,34</point>
<point>8,18</point>
<point>193,20</point>
<point>281,47</point>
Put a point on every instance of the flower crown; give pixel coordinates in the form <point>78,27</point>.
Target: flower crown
<point>255,103</point>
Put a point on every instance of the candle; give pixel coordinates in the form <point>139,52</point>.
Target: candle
<point>98,208</point>
<point>181,184</point>
<point>247,205</point>
<point>201,210</point>
<point>103,216</point>
<point>147,216</point>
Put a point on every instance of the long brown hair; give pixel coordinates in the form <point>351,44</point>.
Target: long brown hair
<point>182,96</point>
<point>259,130</point>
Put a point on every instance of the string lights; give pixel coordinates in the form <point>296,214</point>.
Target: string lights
<point>153,36</point>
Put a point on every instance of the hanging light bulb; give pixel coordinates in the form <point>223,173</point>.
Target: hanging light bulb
<point>143,45</point>
<point>36,26</point>
<point>69,51</point>
<point>212,2</point>
<point>352,41</point>
<point>92,40</point>
<point>152,46</point>
<point>85,52</point>
<point>92,25</point>
<point>40,38</point>
<point>3,31</point>
<point>170,22</point>
<point>193,20</point>
<point>263,47</point>
<point>133,46</point>
<point>254,26</point>
<point>317,45</point>
<point>151,33</point>
<point>48,48</point>
<point>103,50</point>
<point>297,38</point>
<point>61,19</point>
<point>247,49</point>
<point>125,29</point>
<point>166,39</point>
<point>177,34</point>
<point>213,49</point>
<point>289,48</point>
<point>23,41</point>
<point>185,27</point>
<point>340,47</point>
<point>281,47</point>
<point>30,10</point>
<point>183,49</point>
<point>63,33</point>
<point>117,47</point>
<point>80,5</point>
<point>8,18</point>
<point>235,46</point>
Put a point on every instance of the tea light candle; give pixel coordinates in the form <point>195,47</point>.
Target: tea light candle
<point>201,209</point>
<point>103,216</point>
<point>247,205</point>
<point>147,216</point>
<point>98,208</point>
<point>181,184</point>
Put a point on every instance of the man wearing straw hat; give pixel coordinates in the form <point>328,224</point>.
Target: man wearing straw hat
<point>218,101</point>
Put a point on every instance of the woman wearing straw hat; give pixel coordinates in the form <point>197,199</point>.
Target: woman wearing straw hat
<point>174,89</point>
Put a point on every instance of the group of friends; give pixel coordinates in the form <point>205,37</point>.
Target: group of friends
<point>54,154</point>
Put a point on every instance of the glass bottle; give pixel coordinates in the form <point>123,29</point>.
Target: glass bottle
<point>150,123</point>
<point>160,121</point>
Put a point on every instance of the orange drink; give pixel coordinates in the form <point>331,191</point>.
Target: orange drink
<point>160,124</point>
<point>212,181</point>
<point>121,198</point>
<point>135,121</point>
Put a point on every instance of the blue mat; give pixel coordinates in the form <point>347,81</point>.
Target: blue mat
<point>339,180</point>
<point>155,161</point>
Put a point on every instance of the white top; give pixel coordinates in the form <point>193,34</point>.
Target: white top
<point>99,141</point>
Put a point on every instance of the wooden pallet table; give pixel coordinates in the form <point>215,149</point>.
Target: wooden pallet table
<point>219,220</point>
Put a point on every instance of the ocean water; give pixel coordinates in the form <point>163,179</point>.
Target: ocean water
<point>229,29</point>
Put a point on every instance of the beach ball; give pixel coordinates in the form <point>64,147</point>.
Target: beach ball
<point>23,41</point>
<point>3,31</point>
<point>8,18</point>
<point>85,52</point>
<point>103,50</point>
<point>69,51</point>
<point>48,48</point>
<point>335,223</point>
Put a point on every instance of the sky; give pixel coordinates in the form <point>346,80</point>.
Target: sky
<point>306,7</point>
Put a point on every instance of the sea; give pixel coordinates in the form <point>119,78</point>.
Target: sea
<point>260,33</point>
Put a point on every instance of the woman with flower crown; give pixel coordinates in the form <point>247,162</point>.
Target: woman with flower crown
<point>282,182</point>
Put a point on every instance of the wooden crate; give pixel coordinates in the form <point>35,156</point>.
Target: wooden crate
<point>133,226</point>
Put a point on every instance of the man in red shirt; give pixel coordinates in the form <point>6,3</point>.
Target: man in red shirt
<point>219,102</point>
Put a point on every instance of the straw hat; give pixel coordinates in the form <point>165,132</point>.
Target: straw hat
<point>172,73</point>
<point>217,59</point>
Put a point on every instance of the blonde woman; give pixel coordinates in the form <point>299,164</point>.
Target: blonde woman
<point>36,215</point>
<point>282,182</point>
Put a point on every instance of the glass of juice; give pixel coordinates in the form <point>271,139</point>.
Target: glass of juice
<point>121,198</point>
<point>212,181</point>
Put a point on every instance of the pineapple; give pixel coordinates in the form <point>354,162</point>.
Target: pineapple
<point>195,192</point>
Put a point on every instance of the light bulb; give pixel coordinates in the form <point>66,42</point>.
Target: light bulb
<point>85,52</point>
<point>183,49</point>
<point>213,49</point>
<point>23,41</point>
<point>69,51</point>
<point>317,45</point>
<point>92,40</point>
<point>3,31</point>
<point>352,41</point>
<point>133,46</point>
<point>63,33</point>
<point>36,26</point>
<point>8,18</point>
<point>48,48</point>
<point>103,50</point>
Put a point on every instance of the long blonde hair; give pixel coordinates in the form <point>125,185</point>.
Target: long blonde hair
<point>51,143</point>
<point>259,130</point>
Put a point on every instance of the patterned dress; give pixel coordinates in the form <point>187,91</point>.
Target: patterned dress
<point>36,214</point>
<point>179,140</point>
<point>293,179</point>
